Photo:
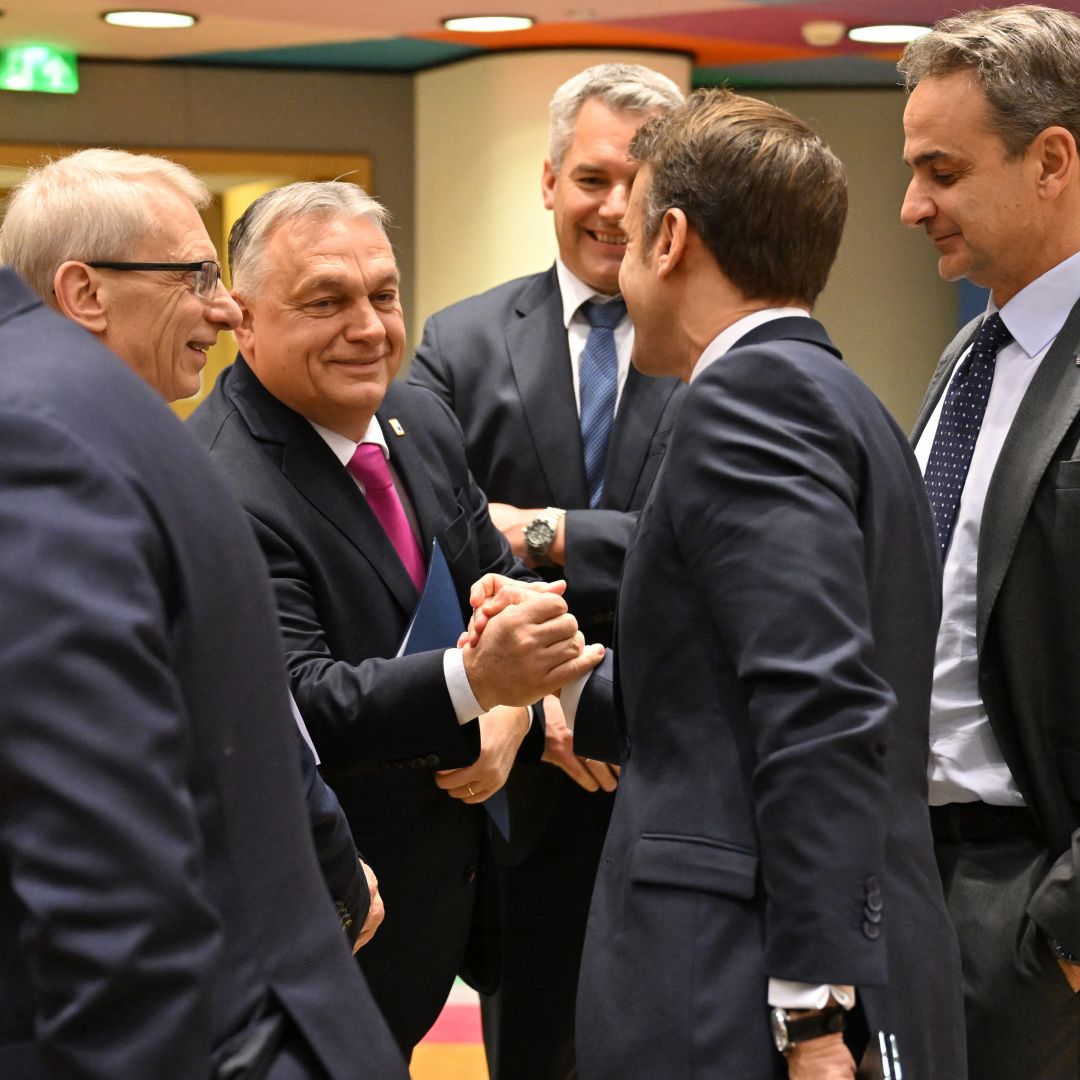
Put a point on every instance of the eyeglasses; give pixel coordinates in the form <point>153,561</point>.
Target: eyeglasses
<point>207,274</point>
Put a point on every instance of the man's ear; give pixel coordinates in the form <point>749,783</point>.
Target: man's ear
<point>547,185</point>
<point>79,296</point>
<point>245,332</point>
<point>1056,150</point>
<point>671,241</point>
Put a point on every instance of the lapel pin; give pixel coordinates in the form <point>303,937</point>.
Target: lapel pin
<point>396,427</point>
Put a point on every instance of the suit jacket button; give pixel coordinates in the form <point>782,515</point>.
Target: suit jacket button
<point>470,875</point>
<point>432,761</point>
<point>872,916</point>
<point>872,931</point>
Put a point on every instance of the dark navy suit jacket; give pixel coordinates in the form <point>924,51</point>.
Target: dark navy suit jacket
<point>158,885</point>
<point>382,724</point>
<point>774,653</point>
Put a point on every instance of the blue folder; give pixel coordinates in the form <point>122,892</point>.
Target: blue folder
<point>437,624</point>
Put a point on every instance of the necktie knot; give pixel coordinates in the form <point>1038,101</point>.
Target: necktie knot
<point>992,335</point>
<point>604,313</point>
<point>368,465</point>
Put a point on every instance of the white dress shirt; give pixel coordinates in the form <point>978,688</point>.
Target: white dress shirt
<point>457,682</point>
<point>966,763</point>
<point>574,293</point>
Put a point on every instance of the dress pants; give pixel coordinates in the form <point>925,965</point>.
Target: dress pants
<point>544,903</point>
<point>1023,1018</point>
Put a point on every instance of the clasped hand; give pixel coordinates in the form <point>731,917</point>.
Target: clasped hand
<point>522,642</point>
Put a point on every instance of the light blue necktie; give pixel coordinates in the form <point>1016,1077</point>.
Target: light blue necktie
<point>959,424</point>
<point>597,381</point>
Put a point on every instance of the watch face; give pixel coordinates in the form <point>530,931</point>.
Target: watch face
<point>539,535</point>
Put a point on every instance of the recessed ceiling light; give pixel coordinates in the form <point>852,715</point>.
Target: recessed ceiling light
<point>488,24</point>
<point>822,33</point>
<point>150,20</point>
<point>887,35</point>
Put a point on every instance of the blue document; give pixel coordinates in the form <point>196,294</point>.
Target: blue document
<point>437,624</point>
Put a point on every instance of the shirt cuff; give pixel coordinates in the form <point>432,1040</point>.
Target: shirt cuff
<point>786,994</point>
<point>570,698</point>
<point>457,684</point>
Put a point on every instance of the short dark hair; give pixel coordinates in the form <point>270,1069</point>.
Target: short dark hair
<point>763,191</point>
<point>1025,59</point>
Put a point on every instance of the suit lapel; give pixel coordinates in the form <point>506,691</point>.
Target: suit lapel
<point>414,473</point>
<point>540,361</point>
<point>1048,409</point>
<point>640,405</point>
<point>310,466</point>
<point>940,379</point>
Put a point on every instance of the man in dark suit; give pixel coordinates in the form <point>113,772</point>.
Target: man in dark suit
<point>510,364</point>
<point>161,909</point>
<point>291,423</point>
<point>56,211</point>
<point>991,134</point>
<point>770,844</point>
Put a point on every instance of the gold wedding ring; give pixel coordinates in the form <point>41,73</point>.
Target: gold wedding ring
<point>468,788</point>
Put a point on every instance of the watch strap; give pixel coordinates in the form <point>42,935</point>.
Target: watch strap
<point>789,1030</point>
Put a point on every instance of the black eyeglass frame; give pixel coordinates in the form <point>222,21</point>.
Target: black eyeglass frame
<point>205,280</point>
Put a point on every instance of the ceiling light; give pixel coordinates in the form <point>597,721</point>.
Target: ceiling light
<point>823,32</point>
<point>150,20</point>
<point>488,24</point>
<point>887,35</point>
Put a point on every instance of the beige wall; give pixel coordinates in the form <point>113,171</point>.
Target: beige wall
<point>885,305</point>
<point>128,104</point>
<point>481,139</point>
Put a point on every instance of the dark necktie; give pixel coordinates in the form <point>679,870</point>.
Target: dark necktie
<point>958,426</point>
<point>597,380</point>
<point>368,465</point>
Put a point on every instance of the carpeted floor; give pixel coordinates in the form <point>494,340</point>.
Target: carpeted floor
<point>453,1048</point>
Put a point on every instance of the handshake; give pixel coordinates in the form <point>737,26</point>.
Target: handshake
<point>522,642</point>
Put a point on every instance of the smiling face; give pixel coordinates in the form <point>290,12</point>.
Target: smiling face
<point>325,333</point>
<point>979,207</point>
<point>154,320</point>
<point>589,194</point>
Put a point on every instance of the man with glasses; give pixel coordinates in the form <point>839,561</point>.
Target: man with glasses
<point>161,912</point>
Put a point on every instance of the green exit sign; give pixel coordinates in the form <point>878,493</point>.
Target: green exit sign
<point>39,67</point>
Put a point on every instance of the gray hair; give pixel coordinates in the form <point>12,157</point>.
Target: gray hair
<point>621,87</point>
<point>88,206</point>
<point>1026,60</point>
<point>316,199</point>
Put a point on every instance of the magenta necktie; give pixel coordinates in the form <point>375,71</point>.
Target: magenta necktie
<point>368,465</point>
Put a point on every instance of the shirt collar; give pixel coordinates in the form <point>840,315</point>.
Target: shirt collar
<point>1036,314</point>
<point>574,291</point>
<point>729,337</point>
<point>343,447</point>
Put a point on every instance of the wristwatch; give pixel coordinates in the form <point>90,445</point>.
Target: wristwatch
<point>540,535</point>
<point>788,1031</point>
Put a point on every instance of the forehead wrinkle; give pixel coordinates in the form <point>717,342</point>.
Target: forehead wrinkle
<point>926,157</point>
<point>338,277</point>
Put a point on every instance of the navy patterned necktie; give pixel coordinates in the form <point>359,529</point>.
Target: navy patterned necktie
<point>958,426</point>
<point>597,381</point>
